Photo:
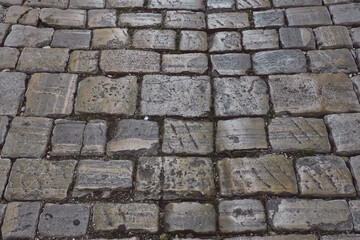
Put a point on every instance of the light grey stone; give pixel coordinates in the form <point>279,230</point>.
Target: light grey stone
<point>354,164</point>
<point>101,18</point>
<point>302,38</point>
<point>83,62</point>
<point>140,19</point>
<point>260,39</point>
<point>72,39</point>
<point>47,3</point>
<point>28,36</point>
<point>58,18</point>
<point>124,3</point>
<point>252,4</point>
<point>185,63</point>
<point>169,4</point>
<point>89,4</point>
<point>12,89</point>
<point>230,63</point>
<point>30,18</point>
<point>354,206</point>
<point>296,3</point>
<point>8,57</point>
<point>228,20</point>
<point>225,41</point>
<point>11,2</point>
<point>185,20</point>
<point>193,41</point>
<point>333,37</point>
<point>5,166</point>
<point>14,13</point>
<point>94,138</point>
<point>154,39</point>
<point>355,36</point>
<point>346,14</point>
<point>221,4</point>
<point>330,2</point>
<point>308,16</point>
<point>269,18</point>
<point>106,38</point>
<point>3,31</point>
<point>4,124</point>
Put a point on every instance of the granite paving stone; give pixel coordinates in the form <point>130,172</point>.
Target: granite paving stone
<point>193,41</point>
<point>252,4</point>
<point>148,178</point>
<point>12,89</point>
<point>296,3</point>
<point>277,237</point>
<point>83,61</point>
<point>58,18</point>
<point>260,39</point>
<point>302,38</point>
<point>308,16</point>
<point>221,4</point>
<point>14,13</point>
<point>4,124</point>
<point>269,18</point>
<point>90,4</point>
<point>101,18</point>
<point>11,2</point>
<point>230,64</point>
<point>31,17</point>
<point>94,141</point>
<point>72,39</point>
<point>355,36</point>
<point>228,20</point>
<point>185,20</point>
<point>342,237</point>
<point>333,37</point>
<point>154,39</point>
<point>47,3</point>
<point>169,4</point>
<point>3,31</point>
<point>346,14</point>
<point>225,41</point>
<point>108,38</point>
<point>124,3</point>
<point>8,57</point>
<point>28,36</point>
<point>354,206</point>
<point>140,19</point>
<point>185,63</point>
<point>5,166</point>
<point>354,164</point>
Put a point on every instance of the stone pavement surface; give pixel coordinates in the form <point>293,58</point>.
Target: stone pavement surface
<point>169,119</point>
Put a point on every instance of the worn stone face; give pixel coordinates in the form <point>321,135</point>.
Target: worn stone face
<point>5,166</point>
<point>104,95</point>
<point>230,63</point>
<point>4,123</point>
<point>354,206</point>
<point>3,31</point>
<point>94,138</point>
<point>241,134</point>
<point>241,96</point>
<point>225,41</point>
<point>297,134</point>
<point>148,178</point>
<point>302,38</point>
<point>346,14</point>
<point>14,13</point>
<point>221,4</point>
<point>47,3</point>
<point>67,220</point>
<point>110,38</point>
<point>69,18</point>
<point>185,20</point>
<point>72,39</point>
<point>355,170</point>
<point>296,3</point>
<point>8,57</point>
<point>184,4</point>
<point>175,96</point>
<point>301,214</point>
<point>260,39</point>
<point>253,4</point>
<point>154,39</point>
<point>333,37</point>
<point>100,18</point>
<point>140,19</point>
<point>11,2</point>
<point>124,3</point>
<point>90,4</point>
<point>27,137</point>
<point>126,217</point>
<point>269,18</point>
<point>12,89</point>
<point>193,41</point>
<point>137,137</point>
<point>228,20</point>
<point>31,17</point>
<point>84,62</point>
<point>25,182</point>
<point>308,16</point>
<point>28,36</point>
<point>190,216</point>
<point>355,36</point>
<point>183,63</point>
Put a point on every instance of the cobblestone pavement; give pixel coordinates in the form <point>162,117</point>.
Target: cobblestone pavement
<point>167,119</point>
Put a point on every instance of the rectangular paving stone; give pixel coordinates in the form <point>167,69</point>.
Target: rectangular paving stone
<point>298,134</point>
<point>20,221</point>
<point>175,96</point>
<point>302,38</point>
<point>66,220</point>
<point>5,166</point>
<point>269,18</point>
<point>330,37</point>
<point>12,89</point>
<point>239,216</point>
<point>252,4</point>
<point>102,95</point>
<point>228,20</point>
<point>312,94</point>
<point>47,3</point>
<point>260,39</point>
<point>185,20</point>
<point>302,214</point>
<point>193,41</point>
<point>330,2</point>
<point>241,134</point>
<point>346,14</point>
<point>354,206</point>
<point>27,137</point>
<point>190,216</point>
<point>8,57</point>
<point>169,4</point>
<point>58,18</point>
<point>277,237</point>
<point>4,124</point>
<point>230,64</point>
<point>140,19</point>
<point>154,39</point>
<point>354,164</point>
<point>355,36</point>
<point>3,31</point>
<point>83,62</point>
<point>129,61</point>
<point>185,63</point>
<point>141,217</point>
<point>308,16</point>
<point>101,18</point>
<point>28,36</point>
<point>124,3</point>
<point>89,4</point>
<point>269,174</point>
<point>344,132</point>
<point>220,4</point>
<point>342,237</point>
<point>50,95</point>
<point>94,138</point>
<point>72,39</point>
<point>98,175</point>
<point>11,2</point>
<point>225,41</point>
<point>296,3</point>
<point>110,38</point>
<point>43,60</point>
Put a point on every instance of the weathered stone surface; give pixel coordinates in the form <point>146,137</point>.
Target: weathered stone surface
<point>12,89</point>
<point>241,134</point>
<point>50,95</point>
<point>27,137</point>
<point>129,61</point>
<point>355,36</point>
<point>31,17</point>
<point>301,214</point>
<point>225,41</point>
<point>149,178</point>
<point>11,2</point>
<point>37,179</point>
<point>124,3</point>
<point>89,4</point>
<point>190,216</point>
<point>346,14</point>
<point>354,164</point>
<point>302,38</point>
<point>169,4</point>
<point>185,63</point>
<point>14,13</point>
<point>269,18</point>
<point>344,132</point>
<point>5,166</point>
<point>187,137</point>
<point>279,61</point>
<point>312,94</point>
<point>260,39</point>
<point>185,19</point>
<point>228,20</point>
<point>2,211</point>
<point>134,216</point>
<point>239,216</point>
<point>154,39</point>
<point>230,63</point>
<point>8,57</point>
<point>84,62</point>
<point>221,4</point>
<point>28,36</point>
<point>137,137</point>
<point>252,4</point>
<point>69,18</point>
<point>308,16</point>
<point>104,95</point>
<point>3,31</point>
<point>110,38</point>
<point>67,220</point>
<point>278,237</point>
<point>269,174</point>
<point>296,3</point>
<point>298,134</point>
<point>333,37</point>
<point>101,18</point>
<point>72,39</point>
<point>354,206</point>
<point>94,138</point>
<point>4,123</point>
<point>67,138</point>
<point>140,19</point>
<point>241,96</point>
<point>47,3</point>
<point>175,95</point>
<point>193,41</point>
<point>43,60</point>
<point>20,221</point>
<point>342,237</point>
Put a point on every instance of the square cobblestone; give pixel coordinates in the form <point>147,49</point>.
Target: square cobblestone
<point>8,57</point>
<point>302,38</point>
<point>101,18</point>
<point>110,38</point>
<point>94,142</point>
<point>12,89</point>
<point>84,62</point>
<point>225,41</point>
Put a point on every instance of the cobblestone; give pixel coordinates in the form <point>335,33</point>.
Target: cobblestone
<point>4,123</point>
<point>185,63</point>
<point>230,63</point>
<point>5,166</point>
<point>308,16</point>
<point>69,18</point>
<point>110,38</point>
<point>346,14</point>
<point>302,38</point>
<point>72,39</point>
<point>154,39</point>
<point>269,18</point>
<point>225,41</point>
<point>260,39</point>
<point>185,19</point>
<point>232,20</point>
<point>12,92</point>
<point>28,36</point>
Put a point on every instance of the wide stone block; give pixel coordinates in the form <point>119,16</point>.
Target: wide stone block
<point>346,14</point>
<point>84,62</point>
<point>329,37</point>
<point>185,63</point>
<point>5,166</point>
<point>302,38</point>
<point>12,89</point>
<point>72,39</point>
<point>252,4</point>
<point>8,57</point>
<point>308,16</point>
<point>260,39</point>
<point>124,3</point>
<point>154,39</point>
<point>28,36</point>
<point>225,41</point>
<point>89,4</point>
<point>58,18</point>
<point>221,4</point>
<point>278,237</point>
<point>110,38</point>
<point>140,19</point>
<point>94,138</point>
<point>269,18</point>
<point>296,3</point>
<point>228,20</point>
<point>185,20</point>
<point>101,18</point>
<point>230,63</point>
<point>169,4</point>
<point>47,3</point>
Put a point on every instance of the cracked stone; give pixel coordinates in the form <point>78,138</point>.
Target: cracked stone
<point>269,18</point>
<point>101,18</point>
<point>58,18</point>
<point>31,17</point>
<point>308,16</point>
<point>260,39</point>
<point>228,20</point>
<point>225,41</point>
<point>193,41</point>
<point>302,38</point>
<point>84,62</point>
<point>185,20</point>
<point>12,89</point>
<point>72,39</point>
<point>94,138</point>
<point>140,19</point>
<point>154,39</point>
<point>28,36</point>
<point>110,38</point>
<point>8,57</point>
<point>230,63</point>
<point>14,13</point>
<point>185,63</point>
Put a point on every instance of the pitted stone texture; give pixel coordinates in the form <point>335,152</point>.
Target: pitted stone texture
<point>346,14</point>
<point>94,138</point>
<point>43,60</point>
<point>154,39</point>
<point>140,19</point>
<point>14,13</point>
<point>324,176</point>
<point>187,137</point>
<point>269,174</point>
<point>175,96</point>
<point>104,95</point>
<point>141,217</point>
<point>98,175</point>
<point>47,3</point>
<point>296,3</point>
<point>37,179</point>
<point>149,178</point>
<point>193,41</point>
<point>333,37</point>
<point>190,216</point>
<point>302,214</point>
<point>110,38</point>
<point>8,57</point>
<point>129,61</point>
<point>252,4</point>
<point>185,20</point>
<point>101,18</point>
<point>67,139</point>
<point>50,95</point>
<point>183,4</point>
<point>335,61</point>
<point>12,89</point>
<point>124,3</point>
<point>298,134</point>
<point>230,63</point>
<point>344,132</point>
<point>228,20</point>
<point>279,61</point>
<point>20,221</point>
<point>312,94</point>
<point>239,216</point>
<point>269,18</point>
<point>84,62</point>
<point>69,18</point>
<point>4,123</point>
<point>221,4</point>
<point>260,39</point>
<point>72,39</point>
<point>355,170</point>
<point>27,137</point>
<point>225,41</point>
<point>3,31</point>
<point>89,4</point>
<point>241,134</point>
<point>308,16</point>
<point>5,166</point>
<point>185,63</point>
<point>354,206</point>
<point>342,237</point>
<point>28,36</point>
<point>355,36</point>
<point>302,38</point>
<point>137,137</point>
<point>278,237</point>
<point>67,220</point>
<point>242,96</point>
